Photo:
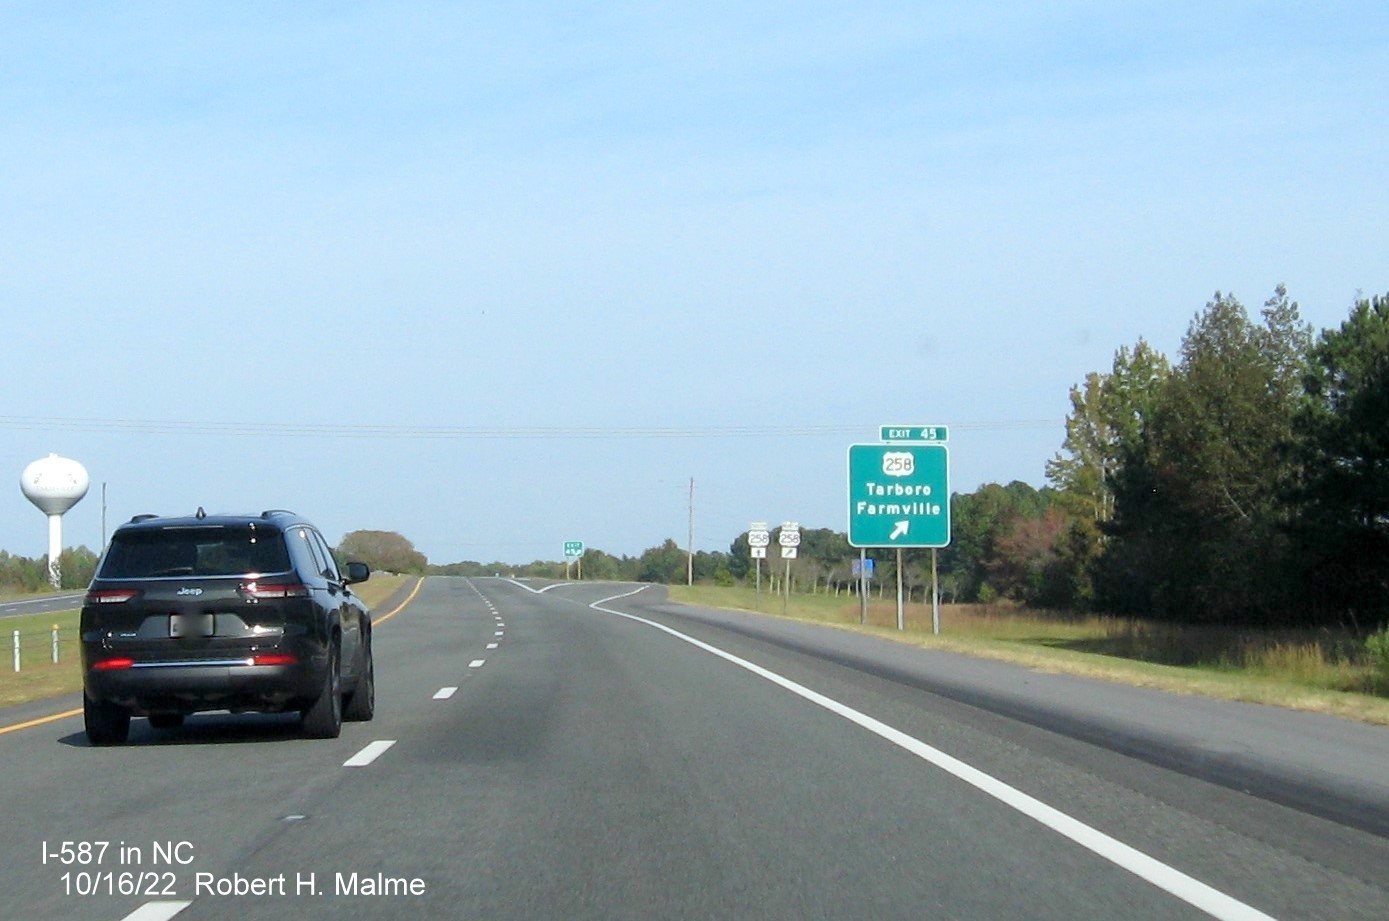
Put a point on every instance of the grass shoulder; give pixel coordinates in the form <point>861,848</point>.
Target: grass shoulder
<point>1310,671</point>
<point>39,676</point>
<point>378,588</point>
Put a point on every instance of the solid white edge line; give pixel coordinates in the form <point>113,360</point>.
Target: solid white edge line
<point>445,693</point>
<point>1188,889</point>
<point>47,599</point>
<point>540,591</point>
<point>636,591</point>
<point>156,911</point>
<point>369,754</point>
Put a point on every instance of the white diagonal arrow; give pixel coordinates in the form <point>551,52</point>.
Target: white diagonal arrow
<point>900,530</point>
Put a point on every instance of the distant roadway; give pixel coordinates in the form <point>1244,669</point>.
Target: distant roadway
<point>592,751</point>
<point>43,604</point>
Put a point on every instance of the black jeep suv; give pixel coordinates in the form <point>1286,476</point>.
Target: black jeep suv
<point>224,612</point>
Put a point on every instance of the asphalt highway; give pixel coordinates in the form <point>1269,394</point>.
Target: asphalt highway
<point>574,751</point>
<point>46,604</point>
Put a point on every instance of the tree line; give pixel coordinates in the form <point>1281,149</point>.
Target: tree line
<point>1247,482</point>
<point>23,575</point>
<point>1244,482</point>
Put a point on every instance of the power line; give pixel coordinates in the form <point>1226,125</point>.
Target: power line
<point>444,432</point>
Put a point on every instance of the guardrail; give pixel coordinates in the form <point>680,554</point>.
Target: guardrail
<point>39,645</point>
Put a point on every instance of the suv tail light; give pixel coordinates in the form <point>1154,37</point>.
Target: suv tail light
<point>274,659</point>
<point>110,596</point>
<point>258,592</point>
<point>111,665</point>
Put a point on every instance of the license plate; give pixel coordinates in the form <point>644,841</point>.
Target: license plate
<point>181,625</point>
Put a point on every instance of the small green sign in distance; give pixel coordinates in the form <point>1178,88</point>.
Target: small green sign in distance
<point>899,495</point>
<point>573,548</point>
<point>933,433</point>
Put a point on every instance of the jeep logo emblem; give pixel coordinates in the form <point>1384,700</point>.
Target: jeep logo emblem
<point>190,591</point>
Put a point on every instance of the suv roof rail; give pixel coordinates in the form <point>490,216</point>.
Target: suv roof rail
<point>275,511</point>
<point>145,517</point>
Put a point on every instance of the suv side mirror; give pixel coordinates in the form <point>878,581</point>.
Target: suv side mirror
<point>357,572</point>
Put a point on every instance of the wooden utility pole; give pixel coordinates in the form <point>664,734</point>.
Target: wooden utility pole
<point>689,562</point>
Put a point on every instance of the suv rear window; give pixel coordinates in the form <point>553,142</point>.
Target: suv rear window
<point>194,551</point>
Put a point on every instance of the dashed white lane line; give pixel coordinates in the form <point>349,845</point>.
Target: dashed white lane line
<point>445,693</point>
<point>499,633</point>
<point>156,911</point>
<point>491,645</point>
<point>476,663</point>
<point>369,754</point>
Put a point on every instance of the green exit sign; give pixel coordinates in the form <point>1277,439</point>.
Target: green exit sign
<point>935,433</point>
<point>899,495</point>
<point>574,548</point>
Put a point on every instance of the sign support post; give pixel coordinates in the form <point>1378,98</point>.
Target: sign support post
<point>790,540</point>
<point>759,538</point>
<point>935,596</point>
<point>786,590</point>
<point>862,586</point>
<point>901,625</point>
<point>899,497</point>
<point>574,553</point>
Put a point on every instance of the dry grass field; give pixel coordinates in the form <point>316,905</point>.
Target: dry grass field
<point>1322,671</point>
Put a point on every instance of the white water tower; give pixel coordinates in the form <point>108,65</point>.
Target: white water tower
<point>55,484</point>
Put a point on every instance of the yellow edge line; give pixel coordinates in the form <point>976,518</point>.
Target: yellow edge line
<point>52,718</point>
<point>400,607</point>
<point>40,721</point>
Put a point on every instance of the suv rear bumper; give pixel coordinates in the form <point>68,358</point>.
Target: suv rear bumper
<point>188,687</point>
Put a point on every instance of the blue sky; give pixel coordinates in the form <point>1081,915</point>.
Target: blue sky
<point>500,275</point>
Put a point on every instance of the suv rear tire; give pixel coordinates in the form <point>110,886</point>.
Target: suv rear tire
<point>106,723</point>
<point>361,706</point>
<point>322,719</point>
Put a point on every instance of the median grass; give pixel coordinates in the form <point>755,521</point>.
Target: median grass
<point>1322,671</point>
<point>39,677</point>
